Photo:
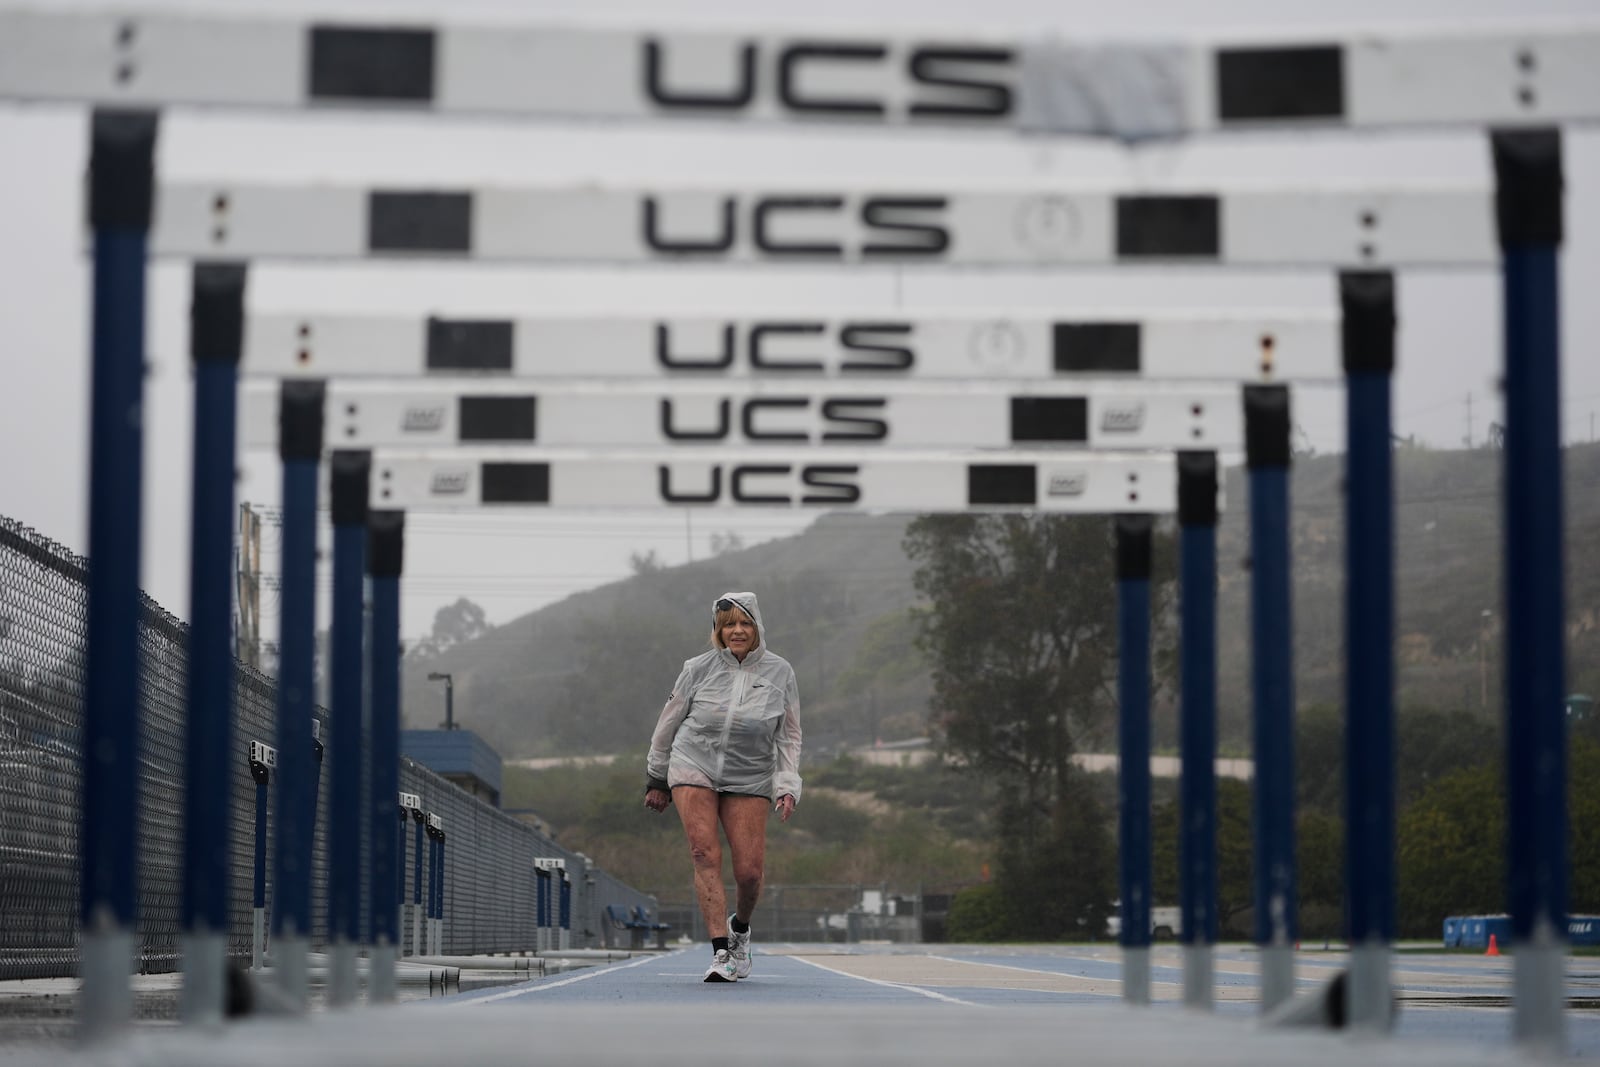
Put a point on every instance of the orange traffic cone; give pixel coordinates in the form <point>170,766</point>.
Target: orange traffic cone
<point>1494,946</point>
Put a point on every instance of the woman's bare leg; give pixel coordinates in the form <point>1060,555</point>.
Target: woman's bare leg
<point>697,807</point>
<point>744,819</point>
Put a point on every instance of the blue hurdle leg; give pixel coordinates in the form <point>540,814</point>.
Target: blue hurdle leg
<point>1266,410</point>
<point>1368,304</point>
<point>1529,172</point>
<point>1197,806</point>
<point>1133,776</point>
<point>121,179</point>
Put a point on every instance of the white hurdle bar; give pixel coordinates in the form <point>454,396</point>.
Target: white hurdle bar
<point>1093,483</point>
<point>892,344</point>
<point>764,415</point>
<point>1536,73</point>
<point>826,225</point>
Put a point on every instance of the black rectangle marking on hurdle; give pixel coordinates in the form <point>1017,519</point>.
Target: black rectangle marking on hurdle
<point>1049,418</point>
<point>419,222</point>
<point>497,418</point>
<point>460,344</point>
<point>1169,226</point>
<point>368,63</point>
<point>1091,347</point>
<point>516,483</point>
<point>1002,483</point>
<point>1304,82</point>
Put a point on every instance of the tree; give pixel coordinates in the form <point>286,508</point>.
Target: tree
<point>1021,630</point>
<point>1451,851</point>
<point>1432,744</point>
<point>455,624</point>
<point>645,563</point>
<point>1235,858</point>
<point>723,543</point>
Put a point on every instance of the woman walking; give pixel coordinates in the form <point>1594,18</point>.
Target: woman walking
<point>726,750</point>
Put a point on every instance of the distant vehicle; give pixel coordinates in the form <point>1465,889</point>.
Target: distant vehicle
<point>1166,921</point>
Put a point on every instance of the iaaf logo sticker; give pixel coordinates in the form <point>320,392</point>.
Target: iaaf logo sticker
<point>1068,483</point>
<point>422,420</point>
<point>1122,418</point>
<point>450,483</point>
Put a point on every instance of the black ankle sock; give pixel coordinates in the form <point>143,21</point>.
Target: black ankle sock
<point>738,927</point>
<point>719,944</point>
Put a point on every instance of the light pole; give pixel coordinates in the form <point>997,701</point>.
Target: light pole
<point>449,697</point>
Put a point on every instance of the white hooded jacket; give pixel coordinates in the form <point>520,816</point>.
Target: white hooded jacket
<point>731,726</point>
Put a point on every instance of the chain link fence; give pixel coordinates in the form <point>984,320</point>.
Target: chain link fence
<point>489,875</point>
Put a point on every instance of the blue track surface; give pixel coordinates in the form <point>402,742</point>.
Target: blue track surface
<point>819,975</point>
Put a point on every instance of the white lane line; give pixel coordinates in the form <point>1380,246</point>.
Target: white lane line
<point>891,985</point>
<point>1025,970</point>
<point>597,972</point>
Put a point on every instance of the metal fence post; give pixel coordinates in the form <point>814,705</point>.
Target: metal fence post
<point>121,180</point>
<point>417,947</point>
<point>1528,171</point>
<point>1133,774</point>
<point>1197,804</point>
<point>1266,409</point>
<point>566,911</point>
<point>439,919</point>
<point>262,759</point>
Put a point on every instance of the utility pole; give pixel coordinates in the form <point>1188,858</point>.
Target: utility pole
<point>248,630</point>
<point>1483,658</point>
<point>1469,420</point>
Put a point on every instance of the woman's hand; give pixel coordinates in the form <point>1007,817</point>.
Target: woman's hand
<point>657,799</point>
<point>785,807</point>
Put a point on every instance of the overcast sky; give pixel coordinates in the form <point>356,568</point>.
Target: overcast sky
<point>1450,339</point>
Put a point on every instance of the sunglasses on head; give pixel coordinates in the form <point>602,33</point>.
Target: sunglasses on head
<point>728,605</point>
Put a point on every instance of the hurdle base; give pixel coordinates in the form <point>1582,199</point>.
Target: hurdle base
<point>1277,976</point>
<point>290,956</point>
<point>1136,975</point>
<point>381,973</point>
<point>107,993</point>
<point>341,974</point>
<point>1199,977</point>
<point>1539,991</point>
<point>205,978</point>
<point>1371,1000</point>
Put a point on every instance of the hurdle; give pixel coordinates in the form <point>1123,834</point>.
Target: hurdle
<point>1102,416</point>
<point>880,344</point>
<point>766,76</point>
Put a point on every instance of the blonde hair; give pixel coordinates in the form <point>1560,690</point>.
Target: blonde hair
<point>721,619</point>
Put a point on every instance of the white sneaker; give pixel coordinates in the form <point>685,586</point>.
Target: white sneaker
<point>722,968</point>
<point>739,949</point>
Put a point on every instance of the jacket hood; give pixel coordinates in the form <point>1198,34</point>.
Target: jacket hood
<point>751,607</point>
